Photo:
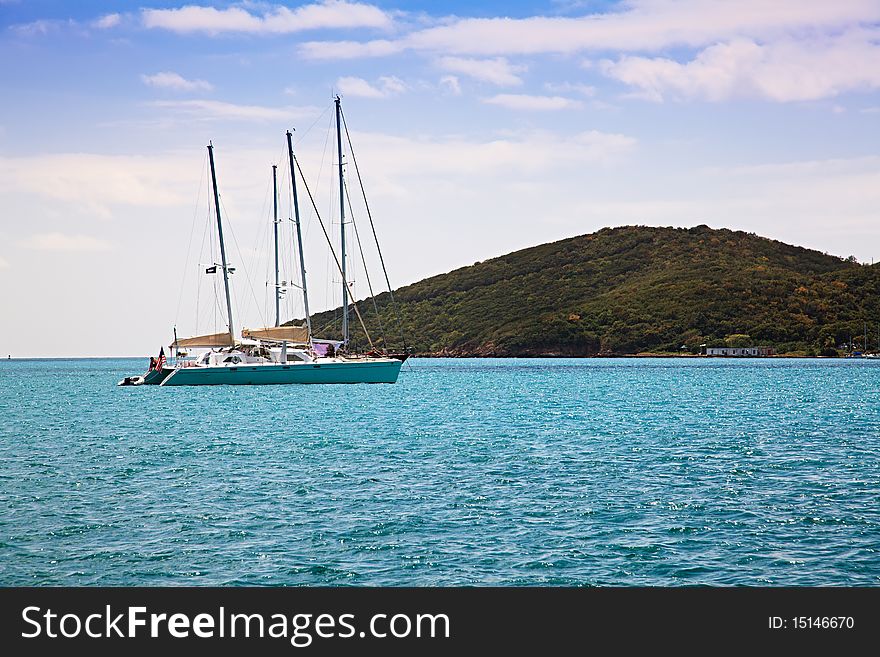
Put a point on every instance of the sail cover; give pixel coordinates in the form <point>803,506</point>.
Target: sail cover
<point>214,340</point>
<point>278,333</point>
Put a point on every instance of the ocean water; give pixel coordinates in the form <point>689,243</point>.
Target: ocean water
<point>467,472</point>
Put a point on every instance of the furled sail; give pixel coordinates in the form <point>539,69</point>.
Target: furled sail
<point>298,334</point>
<point>214,340</point>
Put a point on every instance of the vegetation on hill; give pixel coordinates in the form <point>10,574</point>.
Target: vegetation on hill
<point>635,289</point>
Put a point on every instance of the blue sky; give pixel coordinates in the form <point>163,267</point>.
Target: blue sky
<point>480,128</point>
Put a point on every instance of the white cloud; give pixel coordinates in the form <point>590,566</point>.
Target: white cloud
<point>395,158</point>
<point>46,26</point>
<point>330,14</point>
<point>349,49</point>
<point>449,83</point>
<point>96,182</point>
<point>783,71</point>
<point>787,50</point>
<point>392,85</point>
<point>40,27</point>
<point>571,87</point>
<point>175,81</point>
<point>506,191</point>
<point>537,103</point>
<point>107,21</point>
<point>387,86</point>
<point>92,180</point>
<point>639,25</point>
<point>95,189</point>
<point>803,169</point>
<point>497,71</point>
<point>215,109</point>
<point>62,242</point>
<point>4,263</point>
<point>829,205</point>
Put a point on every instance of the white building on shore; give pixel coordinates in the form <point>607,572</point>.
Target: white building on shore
<point>739,351</point>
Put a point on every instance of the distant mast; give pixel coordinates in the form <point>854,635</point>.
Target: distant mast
<point>222,244</point>
<point>275,223</point>
<point>342,225</point>
<point>299,239</point>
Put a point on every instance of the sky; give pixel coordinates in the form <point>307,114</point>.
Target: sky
<point>479,128</point>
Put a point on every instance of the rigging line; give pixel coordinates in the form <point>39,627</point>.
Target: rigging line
<point>330,324</point>
<point>329,287</point>
<point>246,274</point>
<point>212,245</point>
<point>211,309</point>
<point>330,291</point>
<point>364,261</point>
<point>294,261</point>
<point>314,123</point>
<point>264,246</point>
<point>320,169</point>
<point>333,291</point>
<point>285,181</point>
<point>192,231</point>
<point>294,273</point>
<point>289,252</point>
<point>198,290</point>
<point>201,251</point>
<point>209,314</point>
<point>272,213</point>
<point>216,308</point>
<point>263,251</point>
<point>330,244</point>
<point>373,227</point>
<point>261,242</point>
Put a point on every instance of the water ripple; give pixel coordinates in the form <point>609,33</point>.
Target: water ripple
<point>467,472</point>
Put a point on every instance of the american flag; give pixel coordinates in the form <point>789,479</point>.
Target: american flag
<point>160,363</point>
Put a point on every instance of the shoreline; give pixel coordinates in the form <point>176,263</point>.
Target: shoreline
<point>644,354</point>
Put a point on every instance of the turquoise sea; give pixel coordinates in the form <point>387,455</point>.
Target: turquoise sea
<point>467,472</point>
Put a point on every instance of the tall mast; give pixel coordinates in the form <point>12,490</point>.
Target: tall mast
<point>299,239</point>
<point>342,224</point>
<point>275,222</point>
<point>222,245</point>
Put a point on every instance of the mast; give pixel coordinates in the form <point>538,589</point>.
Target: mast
<point>342,224</point>
<point>275,222</point>
<point>299,239</point>
<point>222,245</point>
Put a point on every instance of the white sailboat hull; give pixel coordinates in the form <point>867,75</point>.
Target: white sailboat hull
<point>330,370</point>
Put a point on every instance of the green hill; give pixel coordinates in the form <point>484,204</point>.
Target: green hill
<point>634,289</point>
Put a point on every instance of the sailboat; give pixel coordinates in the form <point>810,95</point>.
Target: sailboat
<point>277,354</point>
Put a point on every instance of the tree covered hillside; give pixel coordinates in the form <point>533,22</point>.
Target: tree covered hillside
<point>633,289</point>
